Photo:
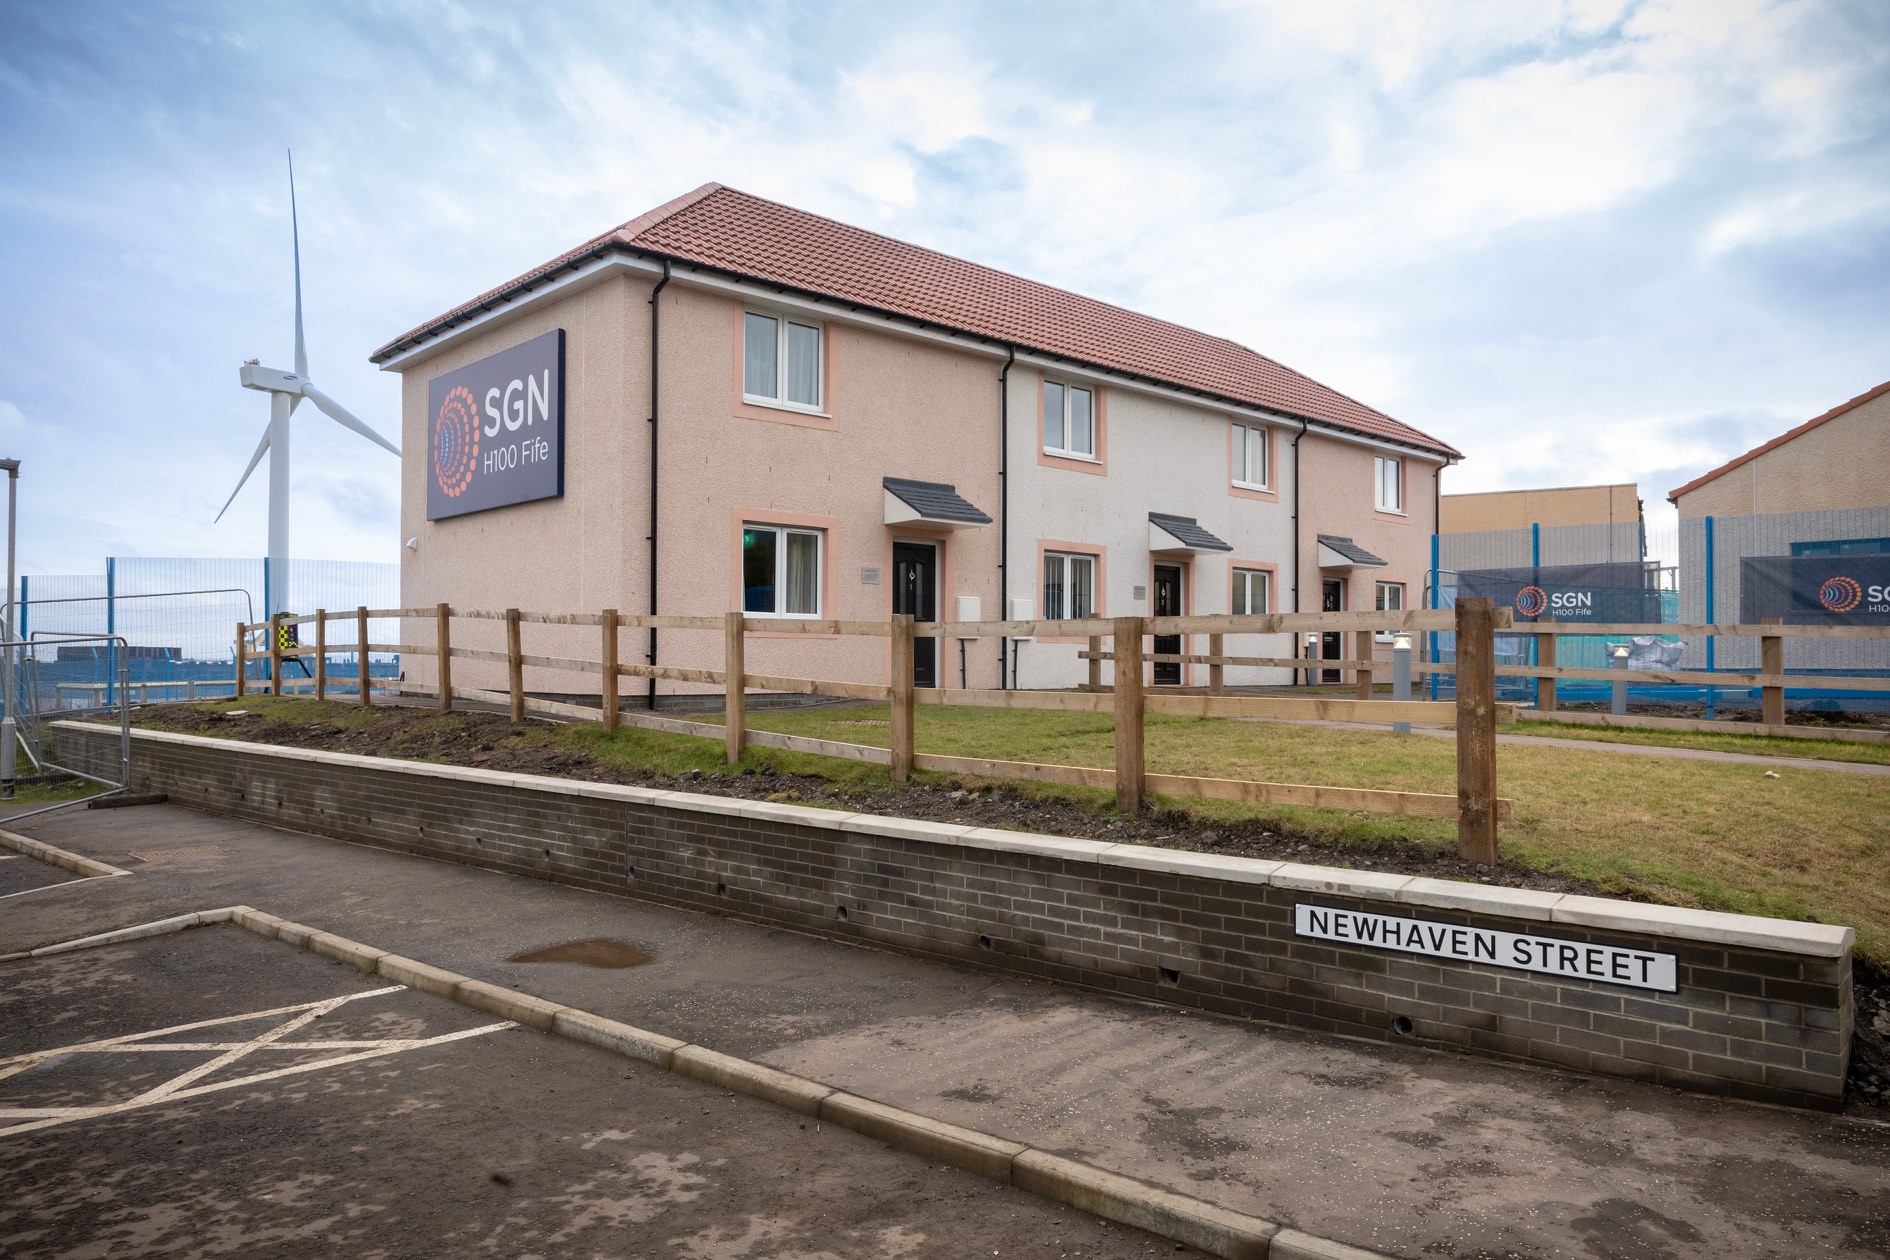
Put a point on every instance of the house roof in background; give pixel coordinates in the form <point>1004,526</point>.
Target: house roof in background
<point>1780,440</point>
<point>755,239</point>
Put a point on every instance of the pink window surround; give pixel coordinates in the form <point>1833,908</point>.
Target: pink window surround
<point>828,417</point>
<point>1273,455</point>
<point>1404,489</point>
<point>1099,467</point>
<point>1268,567</point>
<point>829,548</point>
<point>1101,553</point>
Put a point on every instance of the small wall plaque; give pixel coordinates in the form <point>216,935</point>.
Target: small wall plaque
<point>1141,592</point>
<point>869,576</point>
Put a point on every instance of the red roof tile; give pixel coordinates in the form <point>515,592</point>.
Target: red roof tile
<point>763,240</point>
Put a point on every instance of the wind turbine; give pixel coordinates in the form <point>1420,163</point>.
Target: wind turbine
<point>286,391</point>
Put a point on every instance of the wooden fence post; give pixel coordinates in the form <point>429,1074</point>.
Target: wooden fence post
<point>275,654</point>
<point>1476,731</point>
<point>515,664</point>
<point>901,726</point>
<point>321,654</point>
<point>1545,659</point>
<point>610,675</point>
<point>735,697</point>
<point>1095,665</point>
<point>1362,643</point>
<point>1217,673</point>
<point>1127,648</point>
<point>1772,661</point>
<point>444,614</point>
<point>361,661</point>
<point>242,657</point>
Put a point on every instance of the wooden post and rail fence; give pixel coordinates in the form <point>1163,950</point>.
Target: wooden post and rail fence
<point>1475,712</point>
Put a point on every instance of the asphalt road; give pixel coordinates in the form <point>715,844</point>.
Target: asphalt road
<point>255,1100</point>
<point>1415,1154</point>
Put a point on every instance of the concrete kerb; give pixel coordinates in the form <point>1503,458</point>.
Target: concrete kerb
<point>53,856</point>
<point>1215,1230</point>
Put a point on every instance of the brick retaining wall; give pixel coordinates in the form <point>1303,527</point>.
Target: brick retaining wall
<point>1762,1008</point>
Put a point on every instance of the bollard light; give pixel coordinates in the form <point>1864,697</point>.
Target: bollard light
<point>1401,641</point>
<point>1401,675</point>
<point>1618,704</point>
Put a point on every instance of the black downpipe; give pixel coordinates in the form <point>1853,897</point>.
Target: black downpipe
<point>1296,539</point>
<point>656,363</point>
<point>1004,511</point>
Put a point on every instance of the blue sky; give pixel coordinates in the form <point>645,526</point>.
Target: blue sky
<point>1588,241</point>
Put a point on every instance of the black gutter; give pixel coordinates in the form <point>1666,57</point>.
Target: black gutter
<point>1004,509</point>
<point>617,247</point>
<point>1296,540</point>
<point>656,364</point>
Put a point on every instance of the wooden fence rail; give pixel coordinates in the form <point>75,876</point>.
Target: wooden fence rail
<point>1476,805</point>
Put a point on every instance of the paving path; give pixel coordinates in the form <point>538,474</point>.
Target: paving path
<point>1416,1154</point>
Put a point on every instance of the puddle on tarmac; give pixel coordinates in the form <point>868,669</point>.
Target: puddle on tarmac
<point>596,952</point>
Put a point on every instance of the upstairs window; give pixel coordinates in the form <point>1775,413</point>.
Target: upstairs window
<point>781,362</point>
<point>781,571</point>
<point>1250,592</point>
<point>1391,597</point>
<point>1069,420</point>
<point>1069,586</point>
<point>1390,484</point>
<point>1250,458</point>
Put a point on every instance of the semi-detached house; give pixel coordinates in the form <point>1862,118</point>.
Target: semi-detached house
<point>768,410</point>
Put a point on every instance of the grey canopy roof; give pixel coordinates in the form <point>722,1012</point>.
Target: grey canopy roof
<point>1187,531</point>
<point>934,501</point>
<point>1350,550</point>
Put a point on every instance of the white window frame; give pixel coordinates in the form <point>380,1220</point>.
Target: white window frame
<point>782,322</point>
<point>781,534</point>
<point>1378,604</point>
<point>1396,464</point>
<point>1066,451</point>
<point>1064,560</point>
<point>1266,590</point>
<point>1243,433</point>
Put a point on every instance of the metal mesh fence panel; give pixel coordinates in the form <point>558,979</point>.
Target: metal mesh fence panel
<point>1710,591</point>
<point>179,617</point>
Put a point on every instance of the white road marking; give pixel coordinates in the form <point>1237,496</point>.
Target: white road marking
<point>180,1086</point>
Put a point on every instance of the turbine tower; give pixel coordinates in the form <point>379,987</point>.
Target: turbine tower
<point>286,391</point>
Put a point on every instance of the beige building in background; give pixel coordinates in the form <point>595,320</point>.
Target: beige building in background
<point>1840,459</point>
<point>1557,505</point>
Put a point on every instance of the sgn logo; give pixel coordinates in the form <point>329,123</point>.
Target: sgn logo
<point>455,441</point>
<point>1532,601</point>
<point>1841,594</point>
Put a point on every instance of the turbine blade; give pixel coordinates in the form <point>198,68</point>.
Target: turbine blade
<point>253,461</point>
<point>295,232</point>
<point>342,416</point>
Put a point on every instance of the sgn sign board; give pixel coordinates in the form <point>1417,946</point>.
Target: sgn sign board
<point>1546,955</point>
<point>495,430</point>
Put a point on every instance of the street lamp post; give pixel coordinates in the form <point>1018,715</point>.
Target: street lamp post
<point>9,730</point>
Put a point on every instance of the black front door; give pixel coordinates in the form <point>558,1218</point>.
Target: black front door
<point>1332,643</point>
<point>1168,604</point>
<point>915,591</point>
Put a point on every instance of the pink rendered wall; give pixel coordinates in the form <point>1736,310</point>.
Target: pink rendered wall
<point>1338,495</point>
<point>898,407</point>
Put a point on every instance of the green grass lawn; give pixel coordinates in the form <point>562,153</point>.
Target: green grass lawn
<point>1809,844</point>
<point>1806,845</point>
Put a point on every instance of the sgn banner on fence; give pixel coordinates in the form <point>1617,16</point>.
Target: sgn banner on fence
<point>1607,593</point>
<point>1815,590</point>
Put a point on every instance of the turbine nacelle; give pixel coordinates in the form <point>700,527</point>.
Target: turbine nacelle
<point>271,380</point>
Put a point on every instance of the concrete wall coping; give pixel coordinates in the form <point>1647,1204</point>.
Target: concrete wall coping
<point>1405,893</point>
